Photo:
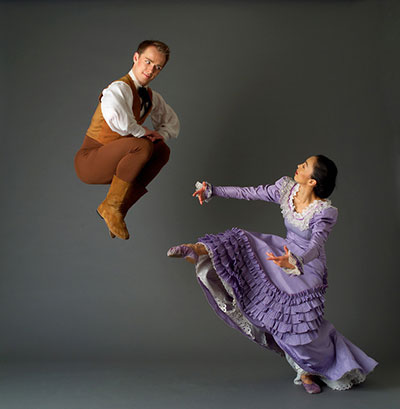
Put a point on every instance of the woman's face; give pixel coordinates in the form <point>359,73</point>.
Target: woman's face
<point>305,170</point>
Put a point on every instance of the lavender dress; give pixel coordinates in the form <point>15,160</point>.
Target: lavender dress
<point>281,309</point>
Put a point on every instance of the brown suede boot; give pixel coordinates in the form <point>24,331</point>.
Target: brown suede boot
<point>110,208</point>
<point>134,194</point>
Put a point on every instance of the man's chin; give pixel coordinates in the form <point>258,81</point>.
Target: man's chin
<point>145,80</point>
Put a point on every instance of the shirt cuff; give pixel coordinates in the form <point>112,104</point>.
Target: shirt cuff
<point>138,131</point>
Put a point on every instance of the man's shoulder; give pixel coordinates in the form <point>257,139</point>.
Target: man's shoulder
<point>126,79</point>
<point>122,84</point>
<point>157,96</point>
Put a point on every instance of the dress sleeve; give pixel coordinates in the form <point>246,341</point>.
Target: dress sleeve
<point>116,107</point>
<point>321,225</point>
<point>268,193</point>
<point>163,117</point>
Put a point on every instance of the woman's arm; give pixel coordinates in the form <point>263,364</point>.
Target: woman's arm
<point>321,225</point>
<point>269,193</point>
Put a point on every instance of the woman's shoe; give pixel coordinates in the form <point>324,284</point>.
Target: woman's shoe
<point>183,251</point>
<point>311,387</point>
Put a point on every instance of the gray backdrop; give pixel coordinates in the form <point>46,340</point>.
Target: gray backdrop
<point>258,86</point>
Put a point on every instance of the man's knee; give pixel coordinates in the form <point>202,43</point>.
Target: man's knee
<point>143,147</point>
<point>163,151</point>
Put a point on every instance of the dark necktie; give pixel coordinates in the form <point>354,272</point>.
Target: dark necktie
<point>145,97</point>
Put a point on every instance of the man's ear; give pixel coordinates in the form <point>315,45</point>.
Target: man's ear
<point>135,57</point>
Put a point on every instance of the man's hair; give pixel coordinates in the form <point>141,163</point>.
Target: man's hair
<point>161,47</point>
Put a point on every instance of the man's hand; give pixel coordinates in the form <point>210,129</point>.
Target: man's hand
<point>152,135</point>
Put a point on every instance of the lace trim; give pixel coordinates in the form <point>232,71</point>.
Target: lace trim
<point>347,381</point>
<point>231,309</point>
<point>292,271</point>
<point>228,305</point>
<point>299,371</point>
<point>233,312</point>
<point>293,318</point>
<point>300,220</point>
<point>207,192</point>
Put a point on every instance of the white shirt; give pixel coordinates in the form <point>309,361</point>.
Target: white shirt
<point>116,107</point>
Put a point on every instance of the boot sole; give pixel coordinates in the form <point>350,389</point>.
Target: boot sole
<point>112,235</point>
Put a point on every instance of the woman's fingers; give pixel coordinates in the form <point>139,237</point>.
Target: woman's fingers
<point>197,192</point>
<point>275,259</point>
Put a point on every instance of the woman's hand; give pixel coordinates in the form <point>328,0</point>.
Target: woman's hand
<point>200,193</point>
<point>281,261</point>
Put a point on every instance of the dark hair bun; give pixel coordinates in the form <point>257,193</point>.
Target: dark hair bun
<point>325,172</point>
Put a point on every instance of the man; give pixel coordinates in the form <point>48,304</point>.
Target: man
<point>117,148</point>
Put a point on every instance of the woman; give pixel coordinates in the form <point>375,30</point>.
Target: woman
<point>272,289</point>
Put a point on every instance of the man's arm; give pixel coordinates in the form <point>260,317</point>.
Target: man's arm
<point>116,107</point>
<point>164,119</point>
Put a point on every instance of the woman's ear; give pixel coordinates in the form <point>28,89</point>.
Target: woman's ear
<point>312,183</point>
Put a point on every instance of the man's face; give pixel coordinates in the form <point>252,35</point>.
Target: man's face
<point>148,65</point>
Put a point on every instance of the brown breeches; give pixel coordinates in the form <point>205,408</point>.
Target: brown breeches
<point>131,159</point>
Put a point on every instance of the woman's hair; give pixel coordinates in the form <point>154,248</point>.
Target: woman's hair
<point>325,172</point>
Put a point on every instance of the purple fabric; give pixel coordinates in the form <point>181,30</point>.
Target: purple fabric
<point>288,309</point>
<point>331,354</point>
<point>270,341</point>
<point>268,193</point>
<point>320,225</point>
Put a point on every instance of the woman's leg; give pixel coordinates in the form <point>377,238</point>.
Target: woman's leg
<point>191,252</point>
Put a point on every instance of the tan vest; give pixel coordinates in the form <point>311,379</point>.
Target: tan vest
<point>99,129</point>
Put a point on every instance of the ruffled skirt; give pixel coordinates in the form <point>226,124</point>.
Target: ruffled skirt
<point>280,312</point>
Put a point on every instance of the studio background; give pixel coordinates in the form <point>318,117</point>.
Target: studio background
<point>258,87</point>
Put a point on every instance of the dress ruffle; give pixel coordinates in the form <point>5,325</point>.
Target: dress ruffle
<point>292,318</point>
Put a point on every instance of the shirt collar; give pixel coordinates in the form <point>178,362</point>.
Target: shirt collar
<point>137,83</point>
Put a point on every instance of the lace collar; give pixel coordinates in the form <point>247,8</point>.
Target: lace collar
<point>300,220</point>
